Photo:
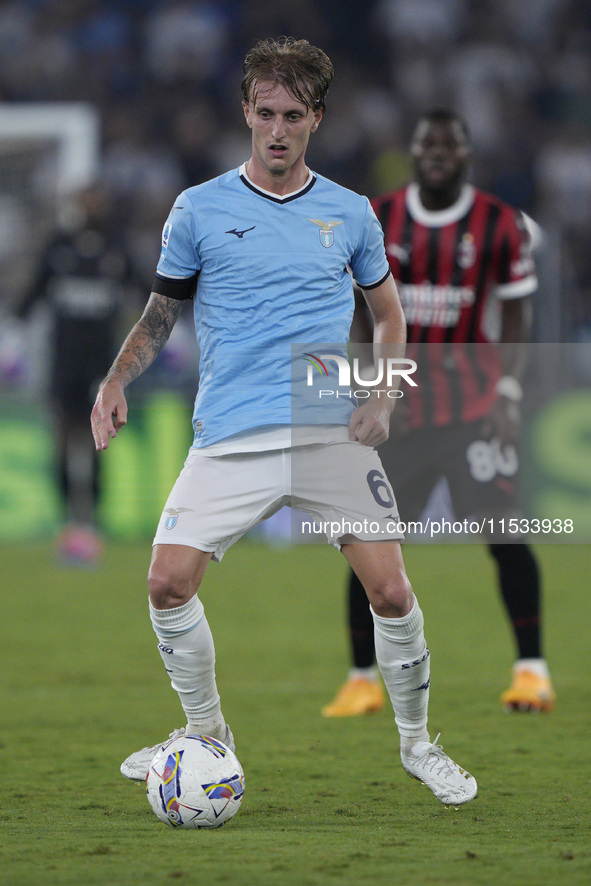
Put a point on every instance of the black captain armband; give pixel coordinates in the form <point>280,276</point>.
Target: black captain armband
<point>173,288</point>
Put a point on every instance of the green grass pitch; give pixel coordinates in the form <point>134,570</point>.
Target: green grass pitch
<point>326,802</point>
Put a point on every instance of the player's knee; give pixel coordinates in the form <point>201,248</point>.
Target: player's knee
<point>168,588</point>
<point>392,596</point>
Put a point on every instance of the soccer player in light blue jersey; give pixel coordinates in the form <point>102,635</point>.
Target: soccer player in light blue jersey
<point>268,253</point>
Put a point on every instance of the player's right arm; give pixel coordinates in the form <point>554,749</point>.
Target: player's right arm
<point>370,422</point>
<point>139,350</point>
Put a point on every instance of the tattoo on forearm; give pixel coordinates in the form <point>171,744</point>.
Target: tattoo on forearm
<point>146,339</point>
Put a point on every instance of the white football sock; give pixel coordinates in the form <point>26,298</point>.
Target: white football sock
<point>364,674</point>
<point>403,660</point>
<point>187,650</point>
<point>537,666</point>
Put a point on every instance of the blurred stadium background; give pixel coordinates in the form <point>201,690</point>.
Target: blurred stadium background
<point>143,97</point>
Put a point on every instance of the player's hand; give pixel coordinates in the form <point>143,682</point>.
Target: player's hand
<point>370,423</point>
<point>109,413</point>
<point>503,422</point>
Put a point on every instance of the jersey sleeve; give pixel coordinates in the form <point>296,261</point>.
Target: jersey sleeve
<point>516,268</point>
<point>369,263</point>
<point>179,263</point>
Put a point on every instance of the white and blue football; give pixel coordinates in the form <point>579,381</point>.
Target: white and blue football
<point>195,782</point>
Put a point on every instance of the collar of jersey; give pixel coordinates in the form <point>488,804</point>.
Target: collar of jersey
<point>436,219</point>
<point>310,181</point>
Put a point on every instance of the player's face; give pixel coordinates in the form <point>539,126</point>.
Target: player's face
<point>441,155</point>
<point>281,127</point>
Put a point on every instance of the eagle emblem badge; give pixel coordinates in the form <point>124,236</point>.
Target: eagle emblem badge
<point>173,519</point>
<point>326,230</point>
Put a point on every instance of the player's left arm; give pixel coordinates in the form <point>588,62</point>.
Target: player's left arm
<point>516,324</point>
<point>516,283</point>
<point>505,416</point>
<point>370,422</point>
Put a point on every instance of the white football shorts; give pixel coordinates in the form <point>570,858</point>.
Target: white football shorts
<point>341,486</point>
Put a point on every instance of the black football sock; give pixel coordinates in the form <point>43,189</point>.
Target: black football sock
<point>361,625</point>
<point>519,582</point>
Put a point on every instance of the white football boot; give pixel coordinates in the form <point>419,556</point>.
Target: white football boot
<point>426,761</point>
<point>136,766</point>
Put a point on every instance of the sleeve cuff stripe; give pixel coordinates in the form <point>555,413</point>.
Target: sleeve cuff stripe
<point>517,289</point>
<point>377,283</point>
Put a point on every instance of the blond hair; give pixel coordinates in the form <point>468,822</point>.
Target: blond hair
<point>304,70</point>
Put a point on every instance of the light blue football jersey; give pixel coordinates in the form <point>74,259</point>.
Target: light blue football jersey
<point>275,282</point>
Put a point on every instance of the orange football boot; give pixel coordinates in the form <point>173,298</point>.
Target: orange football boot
<point>358,696</point>
<point>529,692</point>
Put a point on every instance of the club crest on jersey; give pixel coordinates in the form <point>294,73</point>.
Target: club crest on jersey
<point>173,519</point>
<point>466,253</point>
<point>326,230</point>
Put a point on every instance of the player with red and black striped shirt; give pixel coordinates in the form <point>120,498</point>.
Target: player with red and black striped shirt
<point>457,269</point>
<point>465,273</point>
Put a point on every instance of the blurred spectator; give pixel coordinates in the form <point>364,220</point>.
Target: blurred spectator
<point>422,22</point>
<point>563,178</point>
<point>138,164</point>
<point>186,41</point>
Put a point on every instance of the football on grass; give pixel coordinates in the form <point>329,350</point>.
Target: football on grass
<point>195,782</point>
